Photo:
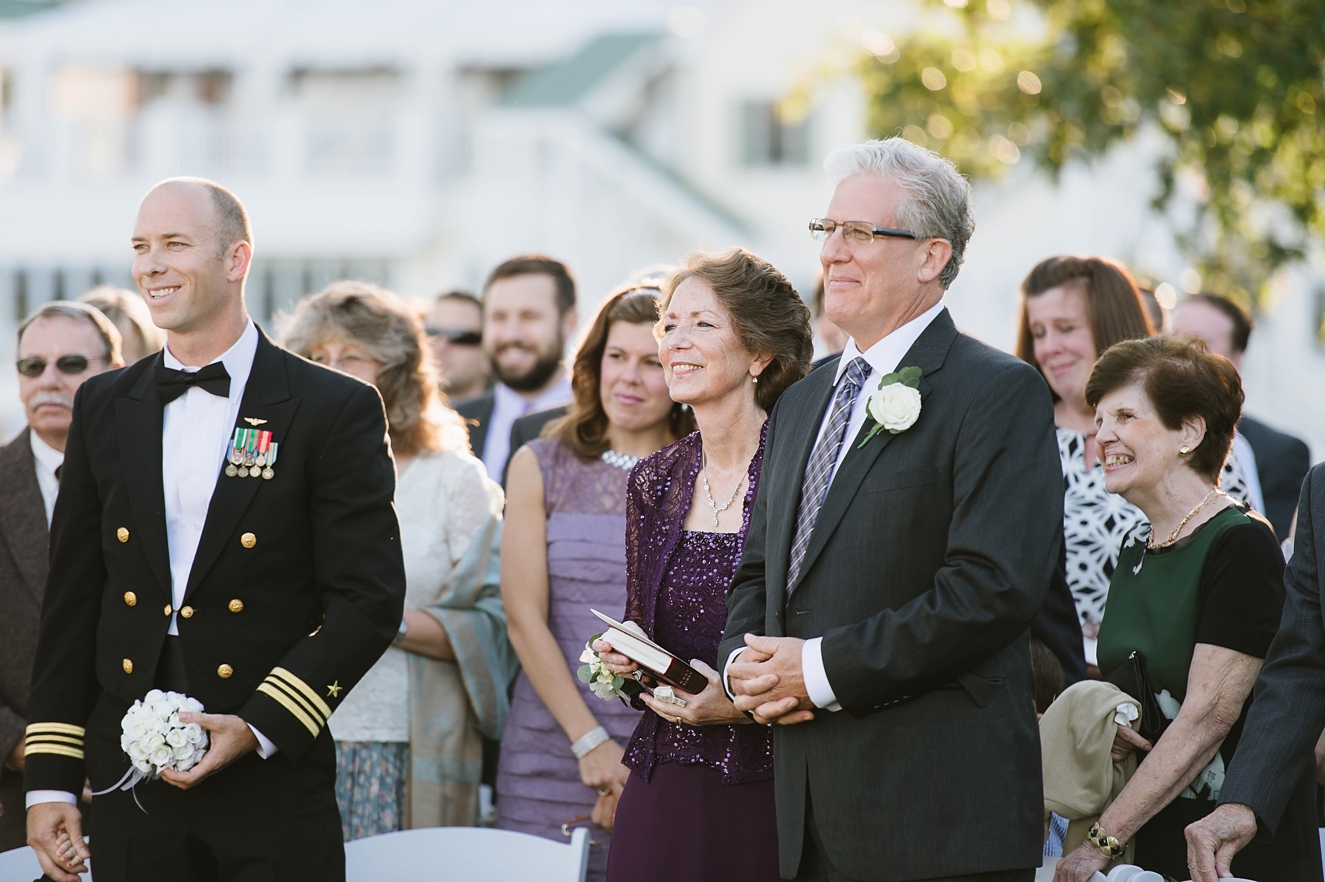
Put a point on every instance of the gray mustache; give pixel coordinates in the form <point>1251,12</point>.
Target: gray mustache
<point>51,397</point>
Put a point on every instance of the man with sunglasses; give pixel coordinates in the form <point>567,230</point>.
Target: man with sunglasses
<point>264,593</point>
<point>455,329</point>
<point>59,346</point>
<point>892,570</point>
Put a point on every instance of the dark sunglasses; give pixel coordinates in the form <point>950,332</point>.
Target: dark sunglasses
<point>35,365</point>
<point>456,336</point>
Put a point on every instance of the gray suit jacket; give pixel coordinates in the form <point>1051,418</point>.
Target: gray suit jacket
<point>927,564</point>
<point>1288,713</point>
<point>23,565</point>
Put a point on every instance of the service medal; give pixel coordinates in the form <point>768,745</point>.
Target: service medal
<point>231,470</point>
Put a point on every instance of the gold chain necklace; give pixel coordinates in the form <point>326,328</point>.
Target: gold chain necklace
<point>1173,537</point>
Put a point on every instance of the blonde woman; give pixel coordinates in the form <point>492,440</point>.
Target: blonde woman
<point>409,738</point>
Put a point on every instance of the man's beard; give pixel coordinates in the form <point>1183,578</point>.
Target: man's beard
<point>532,378</point>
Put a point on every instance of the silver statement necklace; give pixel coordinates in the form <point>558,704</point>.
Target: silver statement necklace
<point>618,460</point>
<point>709,493</point>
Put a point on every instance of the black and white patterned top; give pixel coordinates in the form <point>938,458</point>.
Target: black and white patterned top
<point>1096,523</point>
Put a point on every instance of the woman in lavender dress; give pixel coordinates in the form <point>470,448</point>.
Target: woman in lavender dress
<point>563,552</point>
<point>699,802</point>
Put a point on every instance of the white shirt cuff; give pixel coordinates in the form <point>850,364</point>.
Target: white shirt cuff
<point>816,679</point>
<point>726,684</point>
<point>37,797</point>
<point>266,749</point>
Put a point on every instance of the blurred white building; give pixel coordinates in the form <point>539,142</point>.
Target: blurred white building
<point>419,143</point>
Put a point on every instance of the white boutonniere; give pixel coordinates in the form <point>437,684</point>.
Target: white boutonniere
<point>895,404</point>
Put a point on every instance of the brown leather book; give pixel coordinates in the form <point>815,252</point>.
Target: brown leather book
<point>656,661</point>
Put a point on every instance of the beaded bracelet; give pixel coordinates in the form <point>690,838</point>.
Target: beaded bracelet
<point>1108,845</point>
<point>589,741</point>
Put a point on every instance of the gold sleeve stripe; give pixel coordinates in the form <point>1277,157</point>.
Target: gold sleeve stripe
<point>303,687</point>
<point>288,704</point>
<point>54,739</point>
<point>57,728</point>
<point>58,749</point>
<point>298,699</point>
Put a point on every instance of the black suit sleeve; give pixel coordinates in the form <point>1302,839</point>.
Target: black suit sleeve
<point>64,684</point>
<point>358,565</point>
<point>1002,547</point>
<point>1288,704</point>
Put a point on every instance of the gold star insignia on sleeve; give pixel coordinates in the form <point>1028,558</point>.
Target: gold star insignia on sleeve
<point>333,691</point>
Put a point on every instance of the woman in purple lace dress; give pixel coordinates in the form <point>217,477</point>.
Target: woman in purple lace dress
<point>563,552</point>
<point>699,802</point>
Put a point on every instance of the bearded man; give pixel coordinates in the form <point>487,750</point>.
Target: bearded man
<point>528,315</point>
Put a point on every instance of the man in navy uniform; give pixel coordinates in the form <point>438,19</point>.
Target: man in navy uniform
<point>262,582</point>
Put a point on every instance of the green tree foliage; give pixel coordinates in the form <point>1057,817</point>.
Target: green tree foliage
<point>1233,86</point>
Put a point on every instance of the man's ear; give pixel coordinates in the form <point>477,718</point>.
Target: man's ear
<point>570,320</point>
<point>237,260</point>
<point>937,255</point>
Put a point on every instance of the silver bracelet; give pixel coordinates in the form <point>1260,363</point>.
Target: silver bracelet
<point>587,743</point>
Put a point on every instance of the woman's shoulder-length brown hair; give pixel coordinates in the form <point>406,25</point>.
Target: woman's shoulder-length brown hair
<point>390,330</point>
<point>584,427</point>
<point>1183,379</point>
<point>1113,301</point>
<point>770,318</point>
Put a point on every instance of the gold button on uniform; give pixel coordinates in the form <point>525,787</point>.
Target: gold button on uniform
<point>186,612</point>
<point>128,666</point>
<point>122,534</point>
<point>236,605</point>
<point>224,672</point>
<point>248,540</point>
<point>130,599</point>
<point>169,609</point>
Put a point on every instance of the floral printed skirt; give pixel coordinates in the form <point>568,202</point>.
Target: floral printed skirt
<point>370,786</point>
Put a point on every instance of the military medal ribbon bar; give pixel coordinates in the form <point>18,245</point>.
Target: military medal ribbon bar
<point>252,454</point>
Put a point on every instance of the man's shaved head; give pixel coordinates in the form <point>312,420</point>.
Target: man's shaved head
<point>231,219</point>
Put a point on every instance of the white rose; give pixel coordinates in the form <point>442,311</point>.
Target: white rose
<point>188,762</point>
<point>161,756</point>
<point>136,753</point>
<point>193,733</point>
<point>163,709</point>
<point>176,738</point>
<point>153,695</point>
<point>588,657</point>
<point>135,729</point>
<point>896,407</point>
<point>125,741</point>
<point>143,766</point>
<point>182,751</point>
<point>192,705</point>
<point>152,741</point>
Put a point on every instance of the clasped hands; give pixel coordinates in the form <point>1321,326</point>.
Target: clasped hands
<point>766,680</point>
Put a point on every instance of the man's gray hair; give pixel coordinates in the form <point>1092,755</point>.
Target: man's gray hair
<point>70,309</point>
<point>940,203</point>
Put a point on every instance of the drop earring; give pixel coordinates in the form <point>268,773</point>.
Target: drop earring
<point>754,380</point>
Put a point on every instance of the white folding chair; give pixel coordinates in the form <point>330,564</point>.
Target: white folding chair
<point>467,854</point>
<point>19,865</point>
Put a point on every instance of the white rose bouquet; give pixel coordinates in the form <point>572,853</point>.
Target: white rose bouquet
<point>156,741</point>
<point>895,405</point>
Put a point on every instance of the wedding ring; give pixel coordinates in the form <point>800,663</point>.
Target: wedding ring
<point>678,720</point>
<point>604,791</point>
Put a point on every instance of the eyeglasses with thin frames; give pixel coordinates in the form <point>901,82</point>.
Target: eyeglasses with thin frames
<point>34,366</point>
<point>855,232</point>
<point>456,336</point>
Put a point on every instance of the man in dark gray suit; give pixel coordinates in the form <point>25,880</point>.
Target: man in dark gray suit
<point>59,346</point>
<point>1278,460</point>
<point>1288,714</point>
<point>882,604</point>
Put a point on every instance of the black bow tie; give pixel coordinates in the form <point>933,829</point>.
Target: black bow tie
<point>171,384</point>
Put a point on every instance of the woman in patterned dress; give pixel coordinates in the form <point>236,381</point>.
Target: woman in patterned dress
<point>699,804</point>
<point>563,553</point>
<point>1072,309</point>
<point>409,737</point>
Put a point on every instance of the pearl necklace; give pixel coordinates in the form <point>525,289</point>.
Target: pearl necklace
<point>1214,493</point>
<point>713,505</point>
<point>616,459</point>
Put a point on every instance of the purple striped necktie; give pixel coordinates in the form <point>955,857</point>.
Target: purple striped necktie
<point>819,472</point>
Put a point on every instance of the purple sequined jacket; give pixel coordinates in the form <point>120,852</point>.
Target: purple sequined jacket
<point>676,584</point>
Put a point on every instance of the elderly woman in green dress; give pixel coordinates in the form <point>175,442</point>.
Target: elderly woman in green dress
<point>1199,601</point>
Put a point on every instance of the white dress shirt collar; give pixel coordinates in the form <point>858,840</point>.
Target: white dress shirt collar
<point>885,356</point>
<point>48,460</point>
<point>238,360</point>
